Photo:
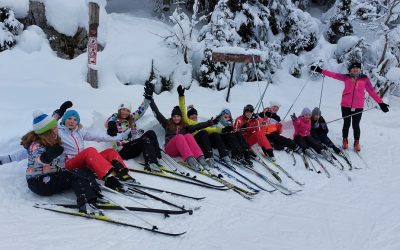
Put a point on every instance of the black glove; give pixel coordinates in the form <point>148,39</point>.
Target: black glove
<point>60,111</point>
<point>181,90</point>
<point>254,116</point>
<point>148,90</point>
<point>245,125</point>
<point>384,107</point>
<point>294,117</point>
<point>316,69</point>
<point>112,129</point>
<point>227,129</point>
<point>51,153</point>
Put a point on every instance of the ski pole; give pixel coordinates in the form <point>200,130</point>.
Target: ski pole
<point>258,84</point>
<point>258,105</point>
<point>322,89</point>
<point>305,84</point>
<point>375,107</point>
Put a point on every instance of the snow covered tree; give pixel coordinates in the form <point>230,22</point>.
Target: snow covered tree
<point>339,23</point>
<point>182,38</point>
<point>298,28</point>
<point>10,27</point>
<point>350,49</point>
<point>219,32</point>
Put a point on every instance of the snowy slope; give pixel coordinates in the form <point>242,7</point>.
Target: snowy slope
<point>327,214</point>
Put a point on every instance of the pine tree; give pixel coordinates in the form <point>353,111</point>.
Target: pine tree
<point>339,24</point>
<point>10,27</point>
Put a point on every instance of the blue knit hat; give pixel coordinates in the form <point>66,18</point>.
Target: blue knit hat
<point>70,113</point>
<point>42,122</point>
<point>226,111</point>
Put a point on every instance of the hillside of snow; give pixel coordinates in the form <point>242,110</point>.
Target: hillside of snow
<point>327,214</point>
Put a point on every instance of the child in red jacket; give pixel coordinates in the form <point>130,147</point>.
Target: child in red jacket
<point>250,126</point>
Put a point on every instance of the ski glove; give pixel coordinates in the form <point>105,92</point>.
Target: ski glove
<point>384,107</point>
<point>148,90</point>
<point>112,129</point>
<point>51,153</point>
<point>227,129</point>
<point>254,116</point>
<point>60,111</point>
<point>5,159</point>
<point>294,117</point>
<point>244,125</point>
<point>316,69</point>
<point>181,90</point>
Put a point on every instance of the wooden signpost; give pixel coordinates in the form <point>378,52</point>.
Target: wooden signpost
<point>92,44</point>
<point>234,58</point>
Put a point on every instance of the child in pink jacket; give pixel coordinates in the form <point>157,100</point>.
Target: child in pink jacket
<point>302,133</point>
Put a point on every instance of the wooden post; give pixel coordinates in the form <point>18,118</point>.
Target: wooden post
<point>92,44</point>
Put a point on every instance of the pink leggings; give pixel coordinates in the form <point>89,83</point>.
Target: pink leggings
<point>99,163</point>
<point>184,146</point>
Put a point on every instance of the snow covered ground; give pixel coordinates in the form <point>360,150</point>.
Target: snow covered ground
<point>327,214</point>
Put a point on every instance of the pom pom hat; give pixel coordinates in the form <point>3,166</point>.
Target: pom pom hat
<point>125,105</point>
<point>42,122</point>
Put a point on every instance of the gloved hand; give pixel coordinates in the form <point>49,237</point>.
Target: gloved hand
<point>51,153</point>
<point>294,117</point>
<point>384,107</point>
<point>61,110</point>
<point>112,129</point>
<point>254,116</point>
<point>213,120</point>
<point>244,125</point>
<point>5,159</point>
<point>181,90</point>
<point>227,129</point>
<point>316,69</point>
<point>148,90</point>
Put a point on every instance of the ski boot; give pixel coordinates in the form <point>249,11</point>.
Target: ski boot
<point>226,159</point>
<point>191,161</point>
<point>112,182</point>
<point>357,146</point>
<point>152,167</point>
<point>327,155</point>
<point>121,172</point>
<point>90,208</point>
<point>269,153</point>
<point>345,143</point>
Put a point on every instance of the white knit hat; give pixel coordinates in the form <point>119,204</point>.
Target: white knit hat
<point>42,122</point>
<point>274,103</point>
<point>125,105</point>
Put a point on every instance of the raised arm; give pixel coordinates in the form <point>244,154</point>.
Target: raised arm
<point>141,110</point>
<point>160,118</point>
<point>337,76</point>
<point>58,113</point>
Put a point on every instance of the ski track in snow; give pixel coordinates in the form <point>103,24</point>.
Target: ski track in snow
<point>327,214</point>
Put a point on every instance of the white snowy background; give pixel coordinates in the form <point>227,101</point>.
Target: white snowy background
<point>327,214</point>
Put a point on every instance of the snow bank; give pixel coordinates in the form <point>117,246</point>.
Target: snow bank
<point>20,7</point>
<point>33,39</point>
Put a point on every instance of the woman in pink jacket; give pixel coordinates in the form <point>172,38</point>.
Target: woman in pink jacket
<point>353,96</point>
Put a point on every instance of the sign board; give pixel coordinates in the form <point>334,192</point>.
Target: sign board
<point>240,58</point>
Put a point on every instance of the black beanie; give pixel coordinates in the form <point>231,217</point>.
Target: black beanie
<point>176,111</point>
<point>191,111</point>
<point>354,64</point>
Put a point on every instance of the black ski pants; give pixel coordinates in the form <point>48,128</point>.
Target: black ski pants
<point>353,120</point>
<point>209,141</point>
<point>146,144</point>
<point>81,180</point>
<point>279,142</point>
<point>236,143</point>
<point>323,138</point>
<point>306,142</point>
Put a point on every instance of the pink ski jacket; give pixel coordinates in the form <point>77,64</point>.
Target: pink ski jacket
<point>302,126</point>
<point>353,94</point>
